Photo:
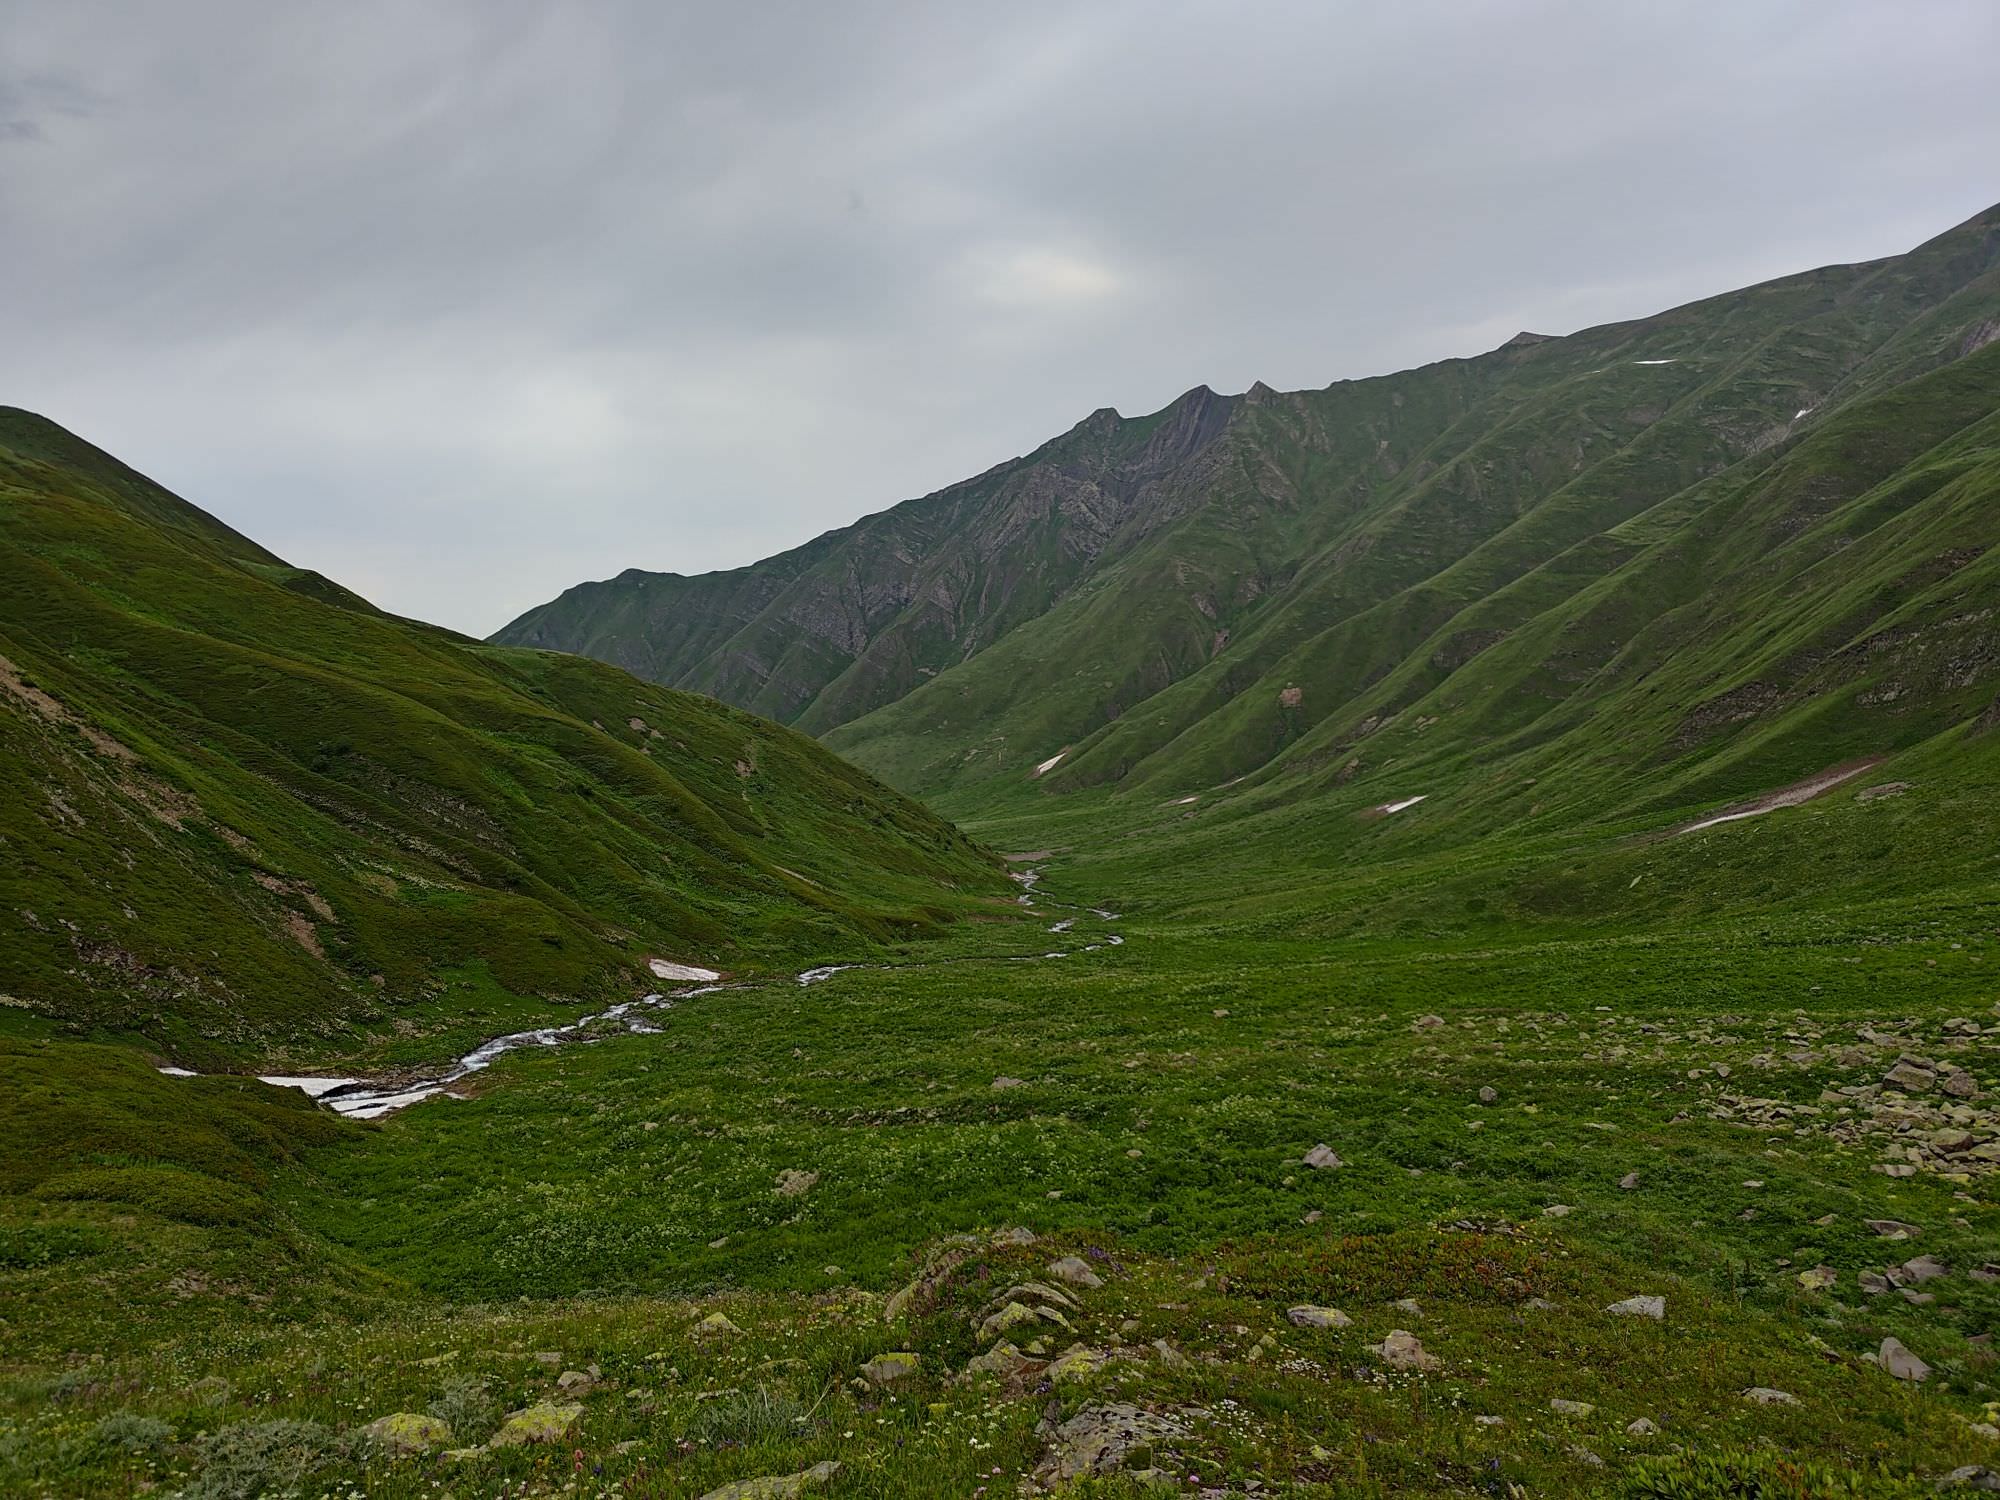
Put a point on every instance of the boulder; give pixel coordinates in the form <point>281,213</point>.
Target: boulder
<point>1909,1077</point>
<point>1640,1307</point>
<point>544,1422</point>
<point>1641,1427</point>
<point>407,1432</point>
<point>1323,1157</point>
<point>1819,1278</point>
<point>1893,1229</point>
<point>1402,1350</point>
<point>887,1369</point>
<point>1764,1395</point>
<point>1013,1315</point>
<point>1076,1272</point>
<point>1564,1408</point>
<point>716,1326</point>
<point>1105,1440</point>
<point>1901,1363</point>
<point>1308,1316</point>
<point>777,1486</point>
<point>1971,1477</point>
<point>1004,1360</point>
<point>1924,1268</point>
<point>1076,1363</point>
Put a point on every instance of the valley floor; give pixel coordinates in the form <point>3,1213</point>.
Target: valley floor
<point>1784,1128</point>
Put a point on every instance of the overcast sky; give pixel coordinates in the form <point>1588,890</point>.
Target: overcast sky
<point>463,302</point>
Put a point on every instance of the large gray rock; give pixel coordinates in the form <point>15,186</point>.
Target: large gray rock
<point>1308,1316</point>
<point>777,1486</point>
<point>1764,1395</point>
<point>1323,1157</point>
<point>544,1422</point>
<point>1901,1363</point>
<point>1076,1272</point>
<point>1640,1307</point>
<point>1402,1350</point>
<point>1103,1440</point>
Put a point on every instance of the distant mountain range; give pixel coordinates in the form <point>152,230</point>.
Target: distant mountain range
<point>1769,513</point>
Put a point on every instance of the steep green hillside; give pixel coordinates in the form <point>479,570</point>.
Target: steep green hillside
<point>1258,587</point>
<point>237,802</point>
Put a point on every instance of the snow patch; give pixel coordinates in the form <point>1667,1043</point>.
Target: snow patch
<point>1396,807</point>
<point>179,1072</point>
<point>312,1088</point>
<point>1184,801</point>
<point>1804,411</point>
<point>1050,764</point>
<point>688,972</point>
<point>1655,361</point>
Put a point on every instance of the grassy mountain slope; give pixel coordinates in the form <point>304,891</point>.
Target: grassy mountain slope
<point>236,801</point>
<point>1248,587</point>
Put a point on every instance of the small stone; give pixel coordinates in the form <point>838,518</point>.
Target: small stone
<point>1901,1363</point>
<point>1559,1210</point>
<point>544,1422</point>
<point>574,1382</point>
<point>407,1432</point>
<point>1924,1268</point>
<point>1489,1421</point>
<point>1764,1395</point>
<point>1564,1408</point>
<point>1629,1181</point>
<point>1961,1084</point>
<point>1004,1082</point>
<point>792,1183</point>
<point>1323,1157</point>
<point>1641,1427</point>
<point>1409,1305</point>
<point>1427,1023</point>
<point>1169,1356</point>
<point>1017,1235</point>
<point>716,1326</point>
<point>1640,1307</point>
<point>1893,1229</point>
<point>887,1369</point>
<point>1308,1316</point>
<point>1402,1350</point>
<point>1819,1278</point>
<point>1076,1271</point>
<point>1489,1095</point>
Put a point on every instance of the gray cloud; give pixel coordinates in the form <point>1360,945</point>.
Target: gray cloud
<point>461,303</point>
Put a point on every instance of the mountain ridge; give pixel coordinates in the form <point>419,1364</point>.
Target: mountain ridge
<point>1185,559</point>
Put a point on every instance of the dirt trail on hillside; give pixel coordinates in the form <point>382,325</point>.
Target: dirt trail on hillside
<point>1790,796</point>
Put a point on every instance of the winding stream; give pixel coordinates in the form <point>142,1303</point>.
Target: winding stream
<point>361,1099</point>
